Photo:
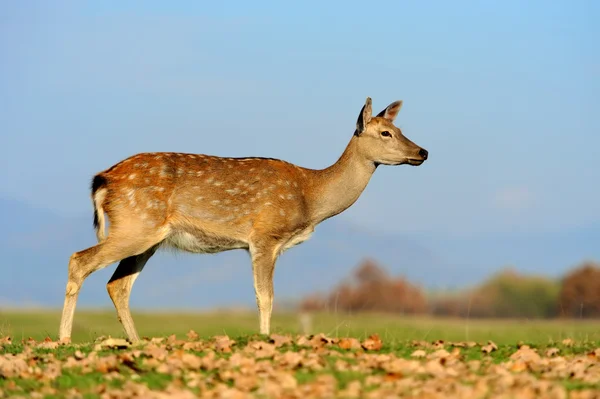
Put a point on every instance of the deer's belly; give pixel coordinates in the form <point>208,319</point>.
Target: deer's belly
<point>299,238</point>
<point>202,242</point>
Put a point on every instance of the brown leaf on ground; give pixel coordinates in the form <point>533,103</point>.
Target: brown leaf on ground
<point>595,354</point>
<point>219,368</point>
<point>46,344</point>
<point>349,343</point>
<point>260,349</point>
<point>373,343</point>
<point>320,341</point>
<point>489,348</point>
<point>418,353</point>
<point>439,354</point>
<point>439,344</point>
<point>12,366</point>
<point>568,342</point>
<point>245,383</point>
<point>171,339</point>
<point>112,343</point>
<point>526,354</point>
<point>518,366</point>
<point>192,335</point>
<point>157,352</point>
<point>289,359</point>
<point>303,340</point>
<point>353,390</point>
<point>552,352</point>
<point>223,343</point>
<point>191,361</point>
<point>106,364</point>
<point>280,340</point>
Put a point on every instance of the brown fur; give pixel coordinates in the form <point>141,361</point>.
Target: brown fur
<point>208,204</point>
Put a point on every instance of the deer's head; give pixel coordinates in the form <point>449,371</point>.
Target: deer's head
<point>381,142</point>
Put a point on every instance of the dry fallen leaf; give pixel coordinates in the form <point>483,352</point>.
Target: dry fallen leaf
<point>280,340</point>
<point>419,353</point>
<point>112,343</point>
<point>552,352</point>
<point>12,366</point>
<point>373,343</point>
<point>568,342</point>
<point>223,343</point>
<point>320,341</point>
<point>290,359</point>
<point>260,349</point>
<point>353,390</point>
<point>490,347</point>
<point>218,368</point>
<point>349,343</point>
<point>439,344</point>
<point>518,366</point>
<point>192,335</point>
<point>595,354</point>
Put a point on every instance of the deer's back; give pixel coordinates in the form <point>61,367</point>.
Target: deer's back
<point>207,203</point>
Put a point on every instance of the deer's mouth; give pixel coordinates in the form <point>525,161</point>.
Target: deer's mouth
<point>414,161</point>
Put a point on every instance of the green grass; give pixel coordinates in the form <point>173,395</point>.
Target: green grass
<point>88,325</point>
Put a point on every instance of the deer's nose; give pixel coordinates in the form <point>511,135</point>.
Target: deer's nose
<point>423,153</point>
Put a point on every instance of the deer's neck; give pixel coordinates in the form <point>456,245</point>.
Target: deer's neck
<point>336,188</point>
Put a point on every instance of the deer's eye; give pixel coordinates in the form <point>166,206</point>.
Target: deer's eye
<point>385,133</point>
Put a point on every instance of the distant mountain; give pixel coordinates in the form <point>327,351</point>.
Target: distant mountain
<point>37,246</point>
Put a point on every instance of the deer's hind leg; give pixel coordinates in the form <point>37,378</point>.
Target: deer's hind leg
<point>119,288</point>
<point>83,263</point>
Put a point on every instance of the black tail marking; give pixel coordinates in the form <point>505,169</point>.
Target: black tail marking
<point>98,182</point>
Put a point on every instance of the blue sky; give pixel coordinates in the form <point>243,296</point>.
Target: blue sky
<point>504,95</point>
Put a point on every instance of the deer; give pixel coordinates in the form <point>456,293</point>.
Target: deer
<point>208,204</point>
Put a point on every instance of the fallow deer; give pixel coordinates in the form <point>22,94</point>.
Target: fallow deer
<point>208,204</point>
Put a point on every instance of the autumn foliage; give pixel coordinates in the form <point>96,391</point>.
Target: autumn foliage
<point>505,294</point>
<point>580,292</point>
<point>371,289</point>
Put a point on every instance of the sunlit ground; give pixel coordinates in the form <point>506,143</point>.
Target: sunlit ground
<point>90,324</point>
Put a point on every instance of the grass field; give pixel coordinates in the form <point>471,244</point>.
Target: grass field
<point>88,325</point>
<point>343,356</point>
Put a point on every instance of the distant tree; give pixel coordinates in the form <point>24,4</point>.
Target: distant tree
<point>505,294</point>
<point>314,302</point>
<point>580,292</point>
<point>510,294</point>
<point>369,272</point>
<point>372,289</point>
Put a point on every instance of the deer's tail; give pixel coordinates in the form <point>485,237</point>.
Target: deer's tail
<point>98,195</point>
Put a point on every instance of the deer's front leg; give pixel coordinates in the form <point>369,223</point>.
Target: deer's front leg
<point>263,265</point>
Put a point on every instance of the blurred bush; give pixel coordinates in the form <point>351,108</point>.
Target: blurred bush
<point>505,294</point>
<point>371,289</point>
<point>580,292</point>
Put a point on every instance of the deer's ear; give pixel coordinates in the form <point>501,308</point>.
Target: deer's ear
<point>391,112</point>
<point>364,117</point>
